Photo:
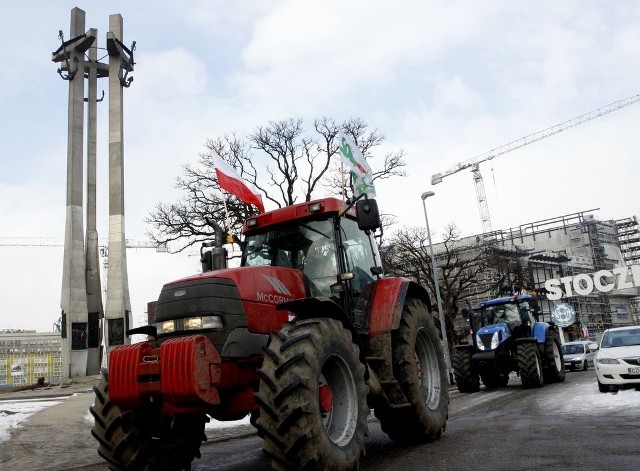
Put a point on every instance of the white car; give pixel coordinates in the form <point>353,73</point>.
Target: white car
<point>578,355</point>
<point>618,358</point>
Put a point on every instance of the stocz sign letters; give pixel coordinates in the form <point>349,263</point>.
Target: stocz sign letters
<point>584,283</point>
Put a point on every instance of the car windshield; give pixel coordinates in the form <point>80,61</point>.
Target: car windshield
<point>572,349</point>
<point>621,338</point>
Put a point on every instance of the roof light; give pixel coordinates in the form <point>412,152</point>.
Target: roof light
<point>315,207</point>
<point>252,222</point>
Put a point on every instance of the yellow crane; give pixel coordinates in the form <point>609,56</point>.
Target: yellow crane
<point>474,163</point>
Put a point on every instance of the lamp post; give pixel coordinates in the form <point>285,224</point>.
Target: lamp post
<point>443,328</point>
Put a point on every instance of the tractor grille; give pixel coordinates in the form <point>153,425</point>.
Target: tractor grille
<point>208,296</point>
<point>486,340</point>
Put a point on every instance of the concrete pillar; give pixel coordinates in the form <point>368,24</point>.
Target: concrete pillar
<point>94,286</point>
<point>118,306</point>
<point>74,292</point>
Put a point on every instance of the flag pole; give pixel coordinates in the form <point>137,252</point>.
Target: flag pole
<point>226,216</point>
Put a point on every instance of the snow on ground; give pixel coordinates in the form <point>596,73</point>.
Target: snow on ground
<point>14,412</point>
<point>589,401</point>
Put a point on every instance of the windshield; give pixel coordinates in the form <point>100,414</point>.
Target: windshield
<point>621,338</point>
<point>572,349</point>
<point>502,313</point>
<point>307,246</point>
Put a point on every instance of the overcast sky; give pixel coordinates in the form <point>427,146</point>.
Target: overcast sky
<point>443,80</point>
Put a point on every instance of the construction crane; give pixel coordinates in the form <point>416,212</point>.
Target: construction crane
<point>474,163</point>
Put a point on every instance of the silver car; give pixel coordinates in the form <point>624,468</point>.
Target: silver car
<point>578,355</point>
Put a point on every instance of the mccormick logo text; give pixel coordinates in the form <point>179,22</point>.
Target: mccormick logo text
<point>282,294</point>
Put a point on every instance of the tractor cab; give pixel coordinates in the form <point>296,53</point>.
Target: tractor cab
<point>509,315</point>
<point>331,245</point>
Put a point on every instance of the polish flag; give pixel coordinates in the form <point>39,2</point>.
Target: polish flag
<point>231,182</point>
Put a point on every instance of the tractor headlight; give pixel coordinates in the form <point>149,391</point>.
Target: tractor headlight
<point>204,322</point>
<point>166,327</point>
<point>189,323</point>
<point>479,342</point>
<point>495,340</point>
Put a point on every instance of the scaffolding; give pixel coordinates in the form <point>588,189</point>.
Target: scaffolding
<point>629,237</point>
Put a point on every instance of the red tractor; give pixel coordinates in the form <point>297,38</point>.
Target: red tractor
<point>306,336</point>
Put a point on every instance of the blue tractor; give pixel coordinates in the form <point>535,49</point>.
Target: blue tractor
<point>506,337</point>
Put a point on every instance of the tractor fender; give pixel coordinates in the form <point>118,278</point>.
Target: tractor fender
<point>388,302</point>
<point>320,307</point>
<point>540,331</point>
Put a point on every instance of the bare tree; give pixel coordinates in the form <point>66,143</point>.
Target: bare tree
<point>464,269</point>
<point>284,161</point>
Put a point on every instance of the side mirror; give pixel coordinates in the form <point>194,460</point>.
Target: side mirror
<point>367,214</point>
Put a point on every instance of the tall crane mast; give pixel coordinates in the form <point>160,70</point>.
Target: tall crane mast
<point>474,163</point>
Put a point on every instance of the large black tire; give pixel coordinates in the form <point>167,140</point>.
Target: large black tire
<point>495,379</point>
<point>313,397</point>
<point>419,368</point>
<point>554,371</point>
<point>467,378</point>
<point>530,365</point>
<point>138,441</point>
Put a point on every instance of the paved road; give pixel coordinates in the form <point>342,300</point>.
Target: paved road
<point>565,426</point>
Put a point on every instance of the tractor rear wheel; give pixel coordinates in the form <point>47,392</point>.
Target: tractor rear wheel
<point>419,368</point>
<point>467,379</point>
<point>138,441</point>
<point>554,371</point>
<point>313,397</point>
<point>529,365</point>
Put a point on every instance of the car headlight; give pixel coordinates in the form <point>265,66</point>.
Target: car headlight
<point>608,361</point>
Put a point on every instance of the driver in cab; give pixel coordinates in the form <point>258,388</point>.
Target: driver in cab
<point>320,267</point>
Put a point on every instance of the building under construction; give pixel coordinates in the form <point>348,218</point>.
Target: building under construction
<point>566,246</point>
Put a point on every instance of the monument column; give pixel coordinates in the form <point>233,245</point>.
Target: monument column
<point>118,307</point>
<point>93,70</point>
<point>74,293</point>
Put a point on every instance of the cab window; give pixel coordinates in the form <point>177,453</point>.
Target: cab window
<point>359,253</point>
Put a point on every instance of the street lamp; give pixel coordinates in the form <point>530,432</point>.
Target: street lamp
<point>443,328</point>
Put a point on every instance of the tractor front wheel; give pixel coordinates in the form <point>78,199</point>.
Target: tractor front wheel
<point>467,379</point>
<point>143,441</point>
<point>419,368</point>
<point>313,397</point>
